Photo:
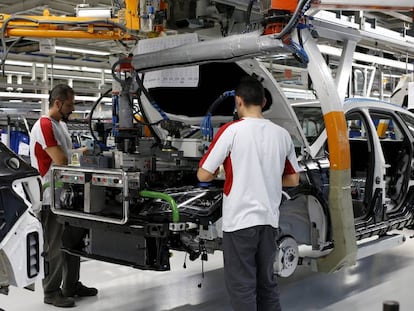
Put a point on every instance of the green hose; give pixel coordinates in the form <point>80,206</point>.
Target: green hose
<point>58,184</point>
<point>165,197</point>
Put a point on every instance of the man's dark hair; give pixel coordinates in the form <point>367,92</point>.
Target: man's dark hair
<point>251,91</point>
<point>61,92</point>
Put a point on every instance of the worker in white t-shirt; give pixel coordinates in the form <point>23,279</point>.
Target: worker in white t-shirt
<point>50,143</point>
<point>258,158</point>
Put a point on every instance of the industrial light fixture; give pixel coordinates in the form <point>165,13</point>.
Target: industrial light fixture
<point>57,66</point>
<point>83,51</point>
<point>82,78</point>
<point>100,72</point>
<point>46,96</point>
<point>19,63</point>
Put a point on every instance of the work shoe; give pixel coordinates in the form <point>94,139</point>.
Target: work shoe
<point>58,300</point>
<point>81,291</point>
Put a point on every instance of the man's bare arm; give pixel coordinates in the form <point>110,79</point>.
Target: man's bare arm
<point>290,180</point>
<point>204,175</point>
<point>58,155</point>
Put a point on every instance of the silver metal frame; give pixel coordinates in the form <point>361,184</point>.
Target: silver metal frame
<point>124,176</point>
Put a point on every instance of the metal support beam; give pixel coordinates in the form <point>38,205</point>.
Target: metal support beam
<point>381,84</point>
<point>328,25</point>
<point>397,5</point>
<point>345,68</point>
<point>340,199</point>
<point>382,243</point>
<point>44,105</point>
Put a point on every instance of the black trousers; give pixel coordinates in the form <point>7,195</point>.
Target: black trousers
<point>63,268</point>
<point>248,268</point>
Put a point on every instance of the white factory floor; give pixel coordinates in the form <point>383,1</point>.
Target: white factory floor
<point>385,276</point>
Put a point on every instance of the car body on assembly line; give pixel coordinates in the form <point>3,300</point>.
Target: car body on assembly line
<point>381,149</point>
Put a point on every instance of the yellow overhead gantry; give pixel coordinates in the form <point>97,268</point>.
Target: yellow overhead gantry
<point>125,26</point>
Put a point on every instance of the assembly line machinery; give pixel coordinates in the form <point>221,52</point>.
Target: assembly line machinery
<point>141,199</point>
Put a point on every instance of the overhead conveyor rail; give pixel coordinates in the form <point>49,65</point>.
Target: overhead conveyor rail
<point>330,25</point>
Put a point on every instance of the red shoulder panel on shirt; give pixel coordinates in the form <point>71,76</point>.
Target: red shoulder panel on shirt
<point>216,137</point>
<point>44,161</point>
<point>288,168</point>
<point>47,131</point>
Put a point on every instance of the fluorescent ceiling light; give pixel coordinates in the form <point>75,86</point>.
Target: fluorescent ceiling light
<point>81,78</point>
<point>18,63</point>
<point>46,96</point>
<point>78,68</point>
<point>84,51</point>
<point>21,73</point>
<point>23,95</point>
<point>57,66</point>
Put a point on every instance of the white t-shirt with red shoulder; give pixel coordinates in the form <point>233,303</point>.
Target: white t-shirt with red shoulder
<point>47,132</point>
<point>255,153</point>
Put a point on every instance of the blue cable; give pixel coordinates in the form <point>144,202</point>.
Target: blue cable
<point>115,111</point>
<point>299,51</point>
<point>206,126</point>
<point>229,93</point>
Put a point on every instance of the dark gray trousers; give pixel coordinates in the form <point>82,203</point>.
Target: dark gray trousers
<point>248,268</point>
<point>63,268</point>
